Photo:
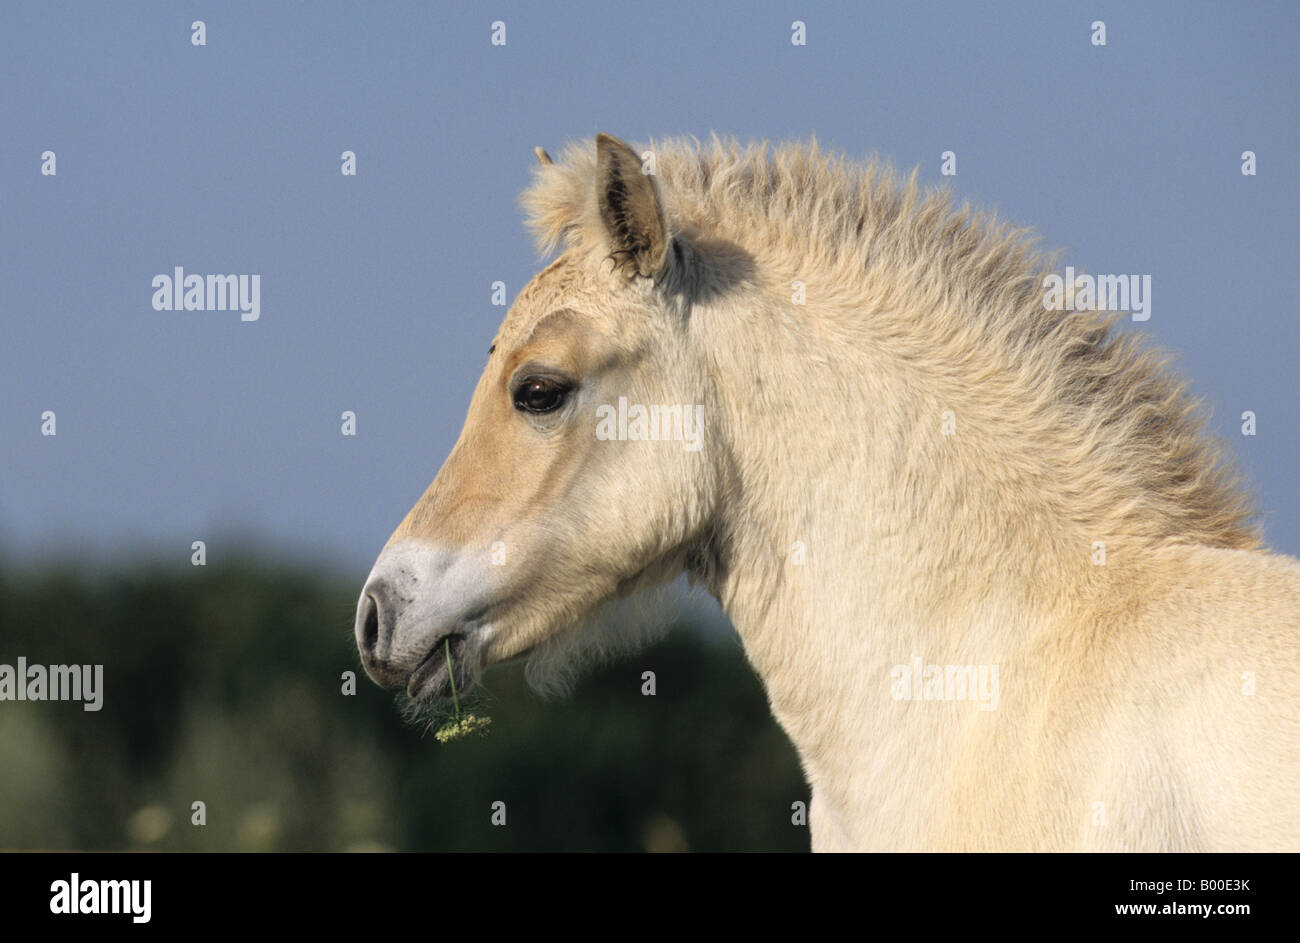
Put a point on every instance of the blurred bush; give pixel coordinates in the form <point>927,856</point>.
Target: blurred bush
<point>223,684</point>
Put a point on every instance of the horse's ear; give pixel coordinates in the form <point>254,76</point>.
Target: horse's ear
<point>630,209</point>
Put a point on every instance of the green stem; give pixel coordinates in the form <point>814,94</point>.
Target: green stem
<point>451,675</point>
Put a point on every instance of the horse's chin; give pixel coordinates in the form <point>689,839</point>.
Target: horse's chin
<point>432,679</point>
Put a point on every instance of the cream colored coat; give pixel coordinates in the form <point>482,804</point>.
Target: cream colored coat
<point>905,459</point>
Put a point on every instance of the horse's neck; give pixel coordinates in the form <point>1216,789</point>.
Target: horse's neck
<point>865,537</point>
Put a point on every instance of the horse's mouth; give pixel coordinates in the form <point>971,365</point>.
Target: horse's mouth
<point>431,678</point>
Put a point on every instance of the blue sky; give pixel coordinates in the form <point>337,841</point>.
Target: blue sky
<point>376,289</point>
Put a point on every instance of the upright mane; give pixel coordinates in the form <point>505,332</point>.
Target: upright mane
<point>1129,441</point>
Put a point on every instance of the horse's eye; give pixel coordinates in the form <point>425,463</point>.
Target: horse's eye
<point>540,395</point>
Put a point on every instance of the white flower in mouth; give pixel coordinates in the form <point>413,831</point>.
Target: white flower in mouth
<point>459,726</point>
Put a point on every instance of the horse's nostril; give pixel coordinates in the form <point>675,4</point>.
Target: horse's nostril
<point>370,627</point>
